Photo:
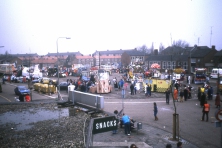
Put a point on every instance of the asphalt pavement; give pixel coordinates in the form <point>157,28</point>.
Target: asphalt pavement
<point>193,132</point>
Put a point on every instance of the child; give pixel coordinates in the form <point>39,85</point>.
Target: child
<point>155,111</point>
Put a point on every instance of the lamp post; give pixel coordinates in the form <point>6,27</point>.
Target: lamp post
<point>58,88</point>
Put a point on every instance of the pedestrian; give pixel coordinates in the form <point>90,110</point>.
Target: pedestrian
<point>123,93</point>
<point>175,94</point>
<point>167,96</point>
<point>155,110</point>
<point>217,101</point>
<point>189,92</point>
<point>149,90</point>
<point>185,93</point>
<point>179,144</point>
<point>115,85</point>
<point>116,115</point>
<point>198,93</point>
<point>189,79</point>
<point>209,93</point>
<point>177,85</point>
<point>146,90</point>
<point>135,89</point>
<point>212,92</point>
<point>125,85</point>
<point>181,95</point>
<point>202,99</point>
<point>126,123</point>
<point>132,89</point>
<point>205,111</point>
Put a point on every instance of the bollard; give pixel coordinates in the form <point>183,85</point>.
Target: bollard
<point>139,126</point>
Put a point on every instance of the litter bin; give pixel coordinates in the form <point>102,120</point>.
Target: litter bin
<point>139,125</point>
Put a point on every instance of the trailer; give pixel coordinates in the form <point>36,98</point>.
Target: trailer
<point>7,69</point>
<point>200,76</point>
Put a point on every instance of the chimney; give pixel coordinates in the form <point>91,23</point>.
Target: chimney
<point>213,47</point>
<point>155,51</point>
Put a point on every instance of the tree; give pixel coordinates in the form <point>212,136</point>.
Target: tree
<point>6,52</point>
<point>152,48</point>
<point>143,49</point>
<point>161,47</point>
<point>180,43</point>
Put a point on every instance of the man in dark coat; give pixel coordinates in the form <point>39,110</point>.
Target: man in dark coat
<point>167,96</point>
<point>132,89</point>
<point>202,99</point>
<point>185,93</point>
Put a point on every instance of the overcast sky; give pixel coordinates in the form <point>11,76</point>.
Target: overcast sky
<point>34,26</point>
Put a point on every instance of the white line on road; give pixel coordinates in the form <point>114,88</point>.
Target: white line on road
<point>135,102</point>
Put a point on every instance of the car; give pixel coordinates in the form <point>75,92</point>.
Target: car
<point>21,90</point>
<point>63,86</point>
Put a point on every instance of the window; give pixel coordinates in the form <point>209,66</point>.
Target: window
<point>164,65</point>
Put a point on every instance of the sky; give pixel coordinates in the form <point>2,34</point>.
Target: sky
<point>40,26</point>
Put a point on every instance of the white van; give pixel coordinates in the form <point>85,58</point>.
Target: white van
<point>214,73</point>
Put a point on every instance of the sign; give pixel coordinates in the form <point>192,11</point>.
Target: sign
<point>106,124</point>
<point>219,115</point>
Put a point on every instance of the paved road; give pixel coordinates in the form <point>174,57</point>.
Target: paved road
<point>192,129</point>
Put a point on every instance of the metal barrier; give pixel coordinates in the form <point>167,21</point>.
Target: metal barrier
<point>86,99</point>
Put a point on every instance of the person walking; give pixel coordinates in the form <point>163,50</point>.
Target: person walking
<point>217,101</point>
<point>167,92</point>
<point>146,90</point>
<point>126,123</point>
<point>181,95</point>
<point>198,93</point>
<point>185,93</point>
<point>175,94</point>
<point>116,116</point>
<point>149,90</point>
<point>189,92</point>
<point>209,93</point>
<point>205,111</point>
<point>202,99</point>
<point>155,110</point>
<point>135,89</point>
<point>132,89</point>
<point>115,85</point>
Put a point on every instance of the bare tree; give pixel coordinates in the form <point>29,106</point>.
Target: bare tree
<point>152,48</point>
<point>161,47</point>
<point>143,49</point>
<point>180,43</point>
<point>6,52</point>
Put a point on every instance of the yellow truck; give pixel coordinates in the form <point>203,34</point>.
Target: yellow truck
<point>158,85</point>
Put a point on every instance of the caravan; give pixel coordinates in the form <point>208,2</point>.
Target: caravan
<point>214,73</point>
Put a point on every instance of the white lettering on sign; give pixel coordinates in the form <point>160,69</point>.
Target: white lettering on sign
<point>106,124</point>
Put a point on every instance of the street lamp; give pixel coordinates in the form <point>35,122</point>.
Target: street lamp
<point>58,62</point>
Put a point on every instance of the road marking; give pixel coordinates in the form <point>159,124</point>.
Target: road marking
<point>6,98</point>
<point>135,102</point>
